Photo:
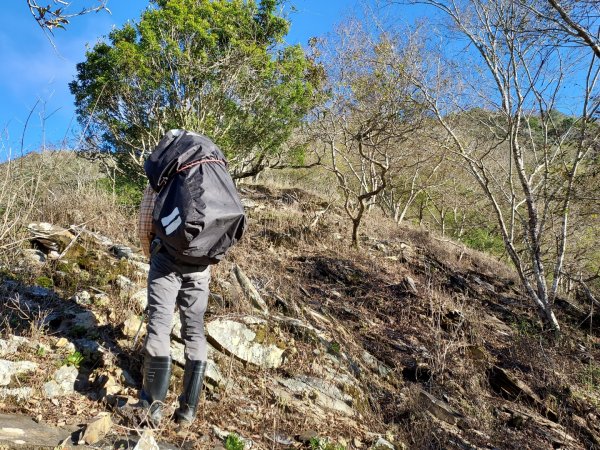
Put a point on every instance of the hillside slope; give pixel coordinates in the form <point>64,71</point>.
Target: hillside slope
<point>410,341</point>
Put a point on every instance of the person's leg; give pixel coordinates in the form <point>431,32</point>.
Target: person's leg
<point>192,301</point>
<point>163,286</point>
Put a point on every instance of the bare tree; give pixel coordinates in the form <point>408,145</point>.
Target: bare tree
<point>524,155</point>
<point>50,16</point>
<point>575,21</point>
<point>369,117</point>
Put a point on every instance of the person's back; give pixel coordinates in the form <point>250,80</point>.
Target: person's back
<point>179,276</point>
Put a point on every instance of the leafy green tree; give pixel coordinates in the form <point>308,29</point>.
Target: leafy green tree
<point>218,67</point>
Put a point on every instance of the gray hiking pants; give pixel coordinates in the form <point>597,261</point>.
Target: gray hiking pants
<point>173,284</point>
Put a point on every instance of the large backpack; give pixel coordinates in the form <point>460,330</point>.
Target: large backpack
<point>197,214</point>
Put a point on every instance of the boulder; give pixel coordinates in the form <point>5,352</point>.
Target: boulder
<point>238,339</point>
<point>50,237</point>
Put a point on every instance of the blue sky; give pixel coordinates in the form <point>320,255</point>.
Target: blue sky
<point>33,73</point>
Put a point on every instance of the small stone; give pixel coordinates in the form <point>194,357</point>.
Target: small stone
<point>123,282</point>
<point>11,345</point>
<point>410,285</point>
<point>34,256</point>
<point>97,428</point>
<point>383,444</point>
<point>63,382</point>
<point>132,325</point>
<point>82,298</point>
<point>122,251</point>
<point>147,441</point>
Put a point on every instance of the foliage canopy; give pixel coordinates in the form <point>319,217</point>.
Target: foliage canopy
<point>218,67</point>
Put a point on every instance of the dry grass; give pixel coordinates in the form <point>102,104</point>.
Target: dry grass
<point>443,338</point>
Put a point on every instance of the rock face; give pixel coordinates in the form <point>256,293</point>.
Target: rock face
<point>62,383</point>
<point>239,340</point>
<point>322,392</point>
<point>23,432</point>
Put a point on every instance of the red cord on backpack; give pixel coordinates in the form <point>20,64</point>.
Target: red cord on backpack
<point>197,163</point>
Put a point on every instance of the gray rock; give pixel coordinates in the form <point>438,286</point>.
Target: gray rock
<point>34,256</point>
<point>122,251</point>
<point>89,348</point>
<point>23,432</point>
<point>62,383</point>
<point>238,339</point>
<point>51,237</point>
<point>147,441</point>
<point>19,394</point>
<point>11,345</point>
<point>370,360</point>
<point>440,409</point>
<point>144,267</point>
<point>124,283</point>
<point>322,392</point>
<point>40,292</point>
<point>382,444</point>
<point>8,369</point>
<point>248,204</point>
<point>82,298</point>
<point>410,285</point>
<point>303,330</point>
<point>99,239</point>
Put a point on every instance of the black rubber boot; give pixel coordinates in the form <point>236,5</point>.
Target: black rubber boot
<point>192,386</point>
<point>157,373</point>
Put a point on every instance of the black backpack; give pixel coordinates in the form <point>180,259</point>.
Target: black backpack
<point>198,214</point>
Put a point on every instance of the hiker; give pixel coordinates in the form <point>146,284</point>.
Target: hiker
<point>189,216</point>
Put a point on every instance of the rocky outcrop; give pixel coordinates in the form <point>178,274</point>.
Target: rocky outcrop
<point>237,338</point>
